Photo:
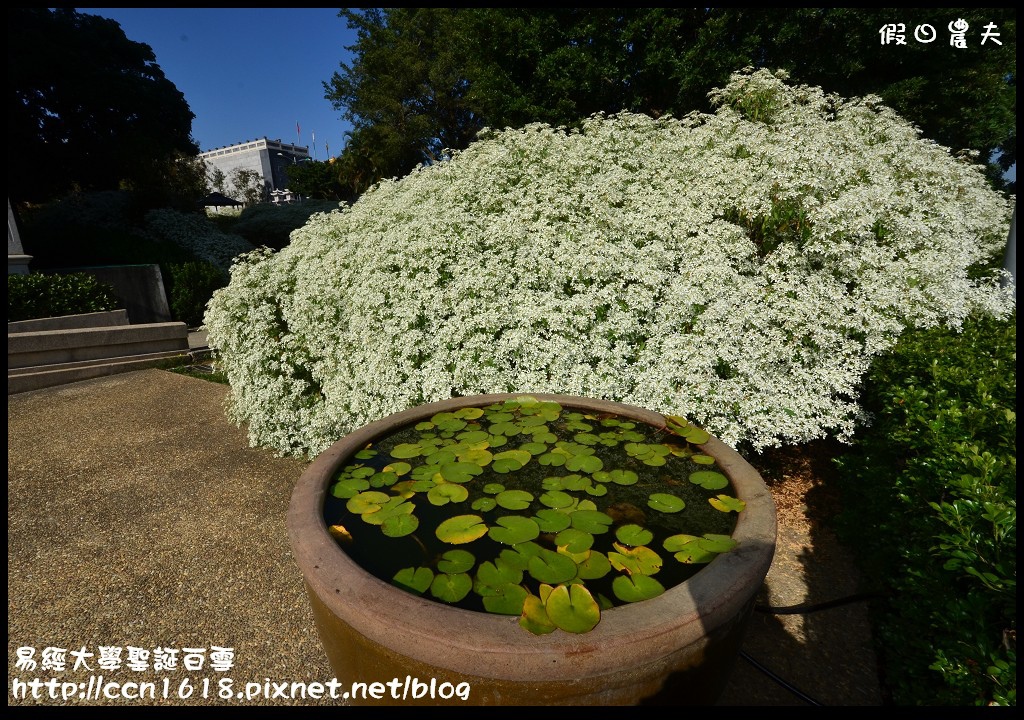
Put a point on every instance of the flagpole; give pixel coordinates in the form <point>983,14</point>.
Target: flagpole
<point>313,132</point>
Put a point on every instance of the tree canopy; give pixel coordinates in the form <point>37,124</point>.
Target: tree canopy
<point>426,79</point>
<point>89,109</point>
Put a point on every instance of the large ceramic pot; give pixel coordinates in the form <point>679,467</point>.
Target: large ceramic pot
<point>677,648</point>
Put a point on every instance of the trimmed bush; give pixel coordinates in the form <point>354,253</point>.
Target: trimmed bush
<point>272,225</point>
<point>190,287</point>
<point>196,234</point>
<point>740,268</point>
<point>930,504</point>
<point>43,295</point>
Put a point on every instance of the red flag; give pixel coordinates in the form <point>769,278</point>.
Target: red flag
<point>297,132</point>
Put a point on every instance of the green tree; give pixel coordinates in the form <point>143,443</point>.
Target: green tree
<point>249,186</point>
<point>426,79</point>
<point>318,180</point>
<point>84,98</point>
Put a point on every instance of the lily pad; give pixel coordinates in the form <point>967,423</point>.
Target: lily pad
<point>573,609</point>
<point>688,550</point>
<point>508,600</point>
<point>461,529</point>
<point>702,459</point>
<point>498,573</point>
<point>460,472</point>
<point>451,587</point>
<point>634,588</point>
<point>549,520</point>
<point>365,454</point>
<point>535,617</point>
<point>414,580</point>
<point>406,450</point>
<point>456,561</point>
<point>514,529</point>
<point>717,543</point>
<point>556,499</point>
<point>399,525</point>
<point>484,504</point>
<point>595,566</point>
<point>633,535</point>
<point>493,488</point>
<point>663,502</point>
<point>350,487</point>
<point>551,567</point>
<point>514,499</point>
<point>510,461</point>
<point>635,561</point>
<point>709,479</point>
<point>575,541</point>
<point>727,503</point>
<point>591,521</point>
<point>367,502</point>
<point>446,493</point>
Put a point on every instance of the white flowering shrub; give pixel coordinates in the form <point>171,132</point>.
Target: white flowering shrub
<point>198,235</point>
<point>740,268</point>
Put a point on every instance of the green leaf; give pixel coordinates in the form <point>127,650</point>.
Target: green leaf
<point>484,504</point>
<point>460,472</point>
<point>575,541</point>
<point>556,499</point>
<point>551,567</point>
<point>461,529</point>
<point>535,617</point>
<point>414,580</point>
<point>451,587</point>
<point>514,529</point>
<point>456,561</point>
<point>509,600</point>
<point>510,461</point>
<point>584,463</point>
<point>591,521</point>
<point>365,454</point>
<point>400,525</point>
<point>634,588</point>
<point>663,502</point>
<point>726,503</point>
<point>406,450</point>
<point>703,459</point>
<point>635,561</point>
<point>717,543</point>
<point>349,487</point>
<point>573,609</point>
<point>514,499</point>
<point>367,502</point>
<point>687,550</point>
<point>549,520</point>
<point>398,468</point>
<point>498,573</point>
<point>493,488</point>
<point>446,493</point>
<point>633,535</point>
<point>595,566</point>
<point>709,479</point>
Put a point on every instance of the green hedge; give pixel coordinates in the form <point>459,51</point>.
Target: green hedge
<point>42,295</point>
<point>931,505</point>
<point>190,286</point>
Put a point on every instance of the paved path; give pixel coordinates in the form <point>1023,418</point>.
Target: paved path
<point>139,516</point>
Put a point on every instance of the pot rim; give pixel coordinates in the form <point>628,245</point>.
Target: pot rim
<point>411,625</point>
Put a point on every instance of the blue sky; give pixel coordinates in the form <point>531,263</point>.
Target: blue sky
<point>248,73</point>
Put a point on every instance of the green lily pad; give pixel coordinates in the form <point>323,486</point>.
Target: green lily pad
<point>591,521</point>
<point>461,529</point>
<point>406,450</point>
<point>367,502</point>
<point>635,561</point>
<point>493,488</point>
<point>399,525</point>
<point>361,472</point>
<point>365,454</point>
<point>394,506</point>
<point>456,561</point>
<point>468,413</point>
<point>663,502</point>
<point>510,461</point>
<point>514,499</point>
<point>498,573</point>
<point>688,550</point>
<point>551,567</point>
<point>727,503</point>
<point>549,520</point>
<point>717,543</point>
<point>556,499</point>
<point>595,566</point>
<point>633,535</point>
<point>451,587</point>
<point>414,580</point>
<point>623,477</point>
<point>573,609</point>
<point>575,541</point>
<point>477,456</point>
<point>446,493</point>
<point>398,468</point>
<point>596,490</point>
<point>460,472</point>
<point>709,479</point>
<point>554,459</point>
<point>634,588</point>
<point>535,617</point>
<point>534,448</point>
<point>514,529</point>
<point>350,487</point>
<point>484,504</point>
<point>586,439</point>
<point>703,459</point>
<point>697,436</point>
<point>508,600</point>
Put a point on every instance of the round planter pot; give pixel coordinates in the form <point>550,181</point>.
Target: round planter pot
<point>677,648</point>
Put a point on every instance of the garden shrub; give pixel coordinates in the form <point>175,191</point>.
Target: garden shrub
<point>196,234</point>
<point>189,288</point>
<point>930,504</point>
<point>272,225</point>
<point>741,268</point>
<point>43,295</point>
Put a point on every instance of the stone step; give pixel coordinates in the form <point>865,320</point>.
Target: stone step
<point>58,347</point>
<point>70,322</point>
<point>36,377</point>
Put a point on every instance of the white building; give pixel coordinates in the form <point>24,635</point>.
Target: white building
<point>267,157</point>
